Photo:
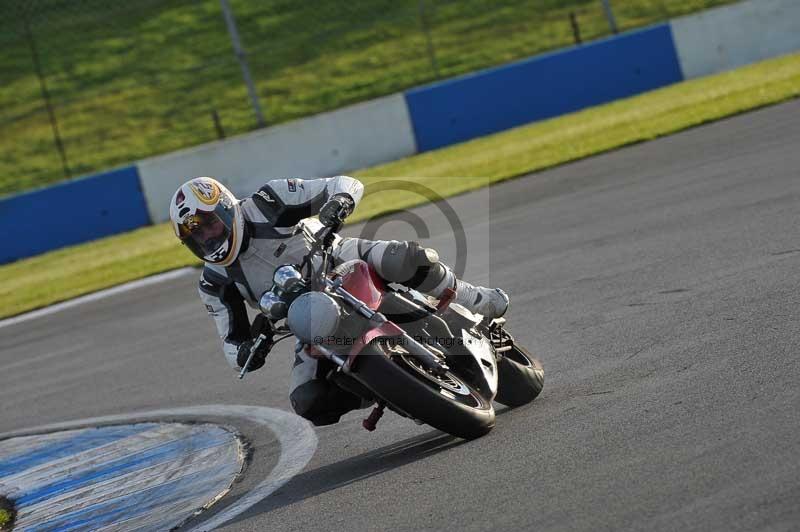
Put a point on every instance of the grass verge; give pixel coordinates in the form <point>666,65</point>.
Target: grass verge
<point>69,272</point>
<point>133,79</point>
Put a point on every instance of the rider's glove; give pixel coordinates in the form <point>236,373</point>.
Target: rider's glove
<point>336,209</point>
<point>258,359</point>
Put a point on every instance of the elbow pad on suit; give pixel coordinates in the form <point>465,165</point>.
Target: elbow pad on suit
<point>225,305</point>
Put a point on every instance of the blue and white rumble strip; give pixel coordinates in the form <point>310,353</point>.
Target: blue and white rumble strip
<point>146,476</point>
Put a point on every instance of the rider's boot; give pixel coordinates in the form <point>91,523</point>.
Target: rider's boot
<point>489,302</point>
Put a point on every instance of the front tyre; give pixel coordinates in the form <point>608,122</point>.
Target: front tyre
<point>446,403</point>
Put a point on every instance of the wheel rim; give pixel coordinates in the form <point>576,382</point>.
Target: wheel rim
<point>448,381</point>
<point>449,385</point>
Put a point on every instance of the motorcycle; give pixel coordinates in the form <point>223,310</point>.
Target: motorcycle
<point>437,365</point>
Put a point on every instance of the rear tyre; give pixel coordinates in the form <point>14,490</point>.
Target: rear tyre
<point>447,403</point>
<point>520,377</point>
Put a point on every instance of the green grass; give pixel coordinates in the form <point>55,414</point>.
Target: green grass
<point>69,272</point>
<point>6,518</point>
<point>134,79</point>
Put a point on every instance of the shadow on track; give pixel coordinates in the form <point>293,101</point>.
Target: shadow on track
<point>357,468</point>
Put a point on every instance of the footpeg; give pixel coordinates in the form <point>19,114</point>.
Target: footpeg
<point>372,421</point>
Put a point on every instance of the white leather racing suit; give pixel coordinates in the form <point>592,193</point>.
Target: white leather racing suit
<point>271,215</point>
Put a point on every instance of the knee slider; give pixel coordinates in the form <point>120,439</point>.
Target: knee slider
<point>429,278</point>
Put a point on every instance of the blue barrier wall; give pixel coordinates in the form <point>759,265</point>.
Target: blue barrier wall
<point>543,87</point>
<point>71,213</point>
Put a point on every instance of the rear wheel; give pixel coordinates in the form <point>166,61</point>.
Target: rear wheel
<point>444,401</point>
<point>520,374</point>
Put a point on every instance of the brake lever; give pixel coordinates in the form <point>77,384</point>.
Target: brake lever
<point>256,345</point>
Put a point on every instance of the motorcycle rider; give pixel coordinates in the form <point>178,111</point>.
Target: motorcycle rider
<point>242,242</point>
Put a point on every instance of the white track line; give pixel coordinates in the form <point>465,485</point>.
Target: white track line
<point>201,477</point>
<point>297,439</point>
<point>96,296</point>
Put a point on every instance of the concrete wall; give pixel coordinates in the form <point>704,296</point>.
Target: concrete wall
<point>327,144</point>
<point>71,213</point>
<point>731,36</point>
<point>542,87</point>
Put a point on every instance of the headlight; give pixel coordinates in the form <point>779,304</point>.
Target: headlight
<point>314,315</point>
<point>273,306</point>
<point>287,277</point>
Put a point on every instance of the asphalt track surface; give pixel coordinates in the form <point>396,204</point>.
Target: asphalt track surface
<point>657,283</point>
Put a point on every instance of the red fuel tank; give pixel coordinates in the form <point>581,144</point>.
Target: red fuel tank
<point>362,281</point>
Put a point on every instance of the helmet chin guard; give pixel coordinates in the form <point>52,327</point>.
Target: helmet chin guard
<point>207,218</point>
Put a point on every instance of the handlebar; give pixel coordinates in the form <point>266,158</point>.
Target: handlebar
<point>321,244</point>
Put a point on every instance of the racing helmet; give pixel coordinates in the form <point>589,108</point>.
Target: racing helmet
<point>207,219</point>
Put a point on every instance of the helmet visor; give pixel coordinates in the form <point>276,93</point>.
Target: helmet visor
<point>208,234</point>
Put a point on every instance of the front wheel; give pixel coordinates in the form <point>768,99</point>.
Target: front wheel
<point>444,402</point>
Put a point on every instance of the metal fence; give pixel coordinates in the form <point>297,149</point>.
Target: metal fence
<point>87,84</point>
